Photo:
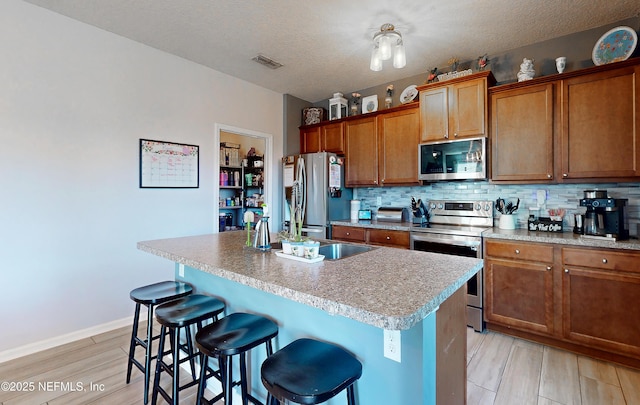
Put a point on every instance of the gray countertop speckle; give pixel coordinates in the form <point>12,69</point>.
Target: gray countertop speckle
<point>564,238</point>
<point>386,287</point>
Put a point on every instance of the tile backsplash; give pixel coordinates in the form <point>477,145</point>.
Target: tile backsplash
<point>566,196</point>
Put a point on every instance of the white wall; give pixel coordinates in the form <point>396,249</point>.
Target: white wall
<point>74,101</point>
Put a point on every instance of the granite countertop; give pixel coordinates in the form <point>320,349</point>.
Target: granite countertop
<point>564,238</point>
<point>386,287</point>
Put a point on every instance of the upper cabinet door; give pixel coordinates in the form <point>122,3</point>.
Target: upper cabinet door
<point>468,108</point>
<point>522,134</point>
<point>310,140</point>
<point>600,124</point>
<point>434,110</point>
<point>362,152</point>
<point>398,138</point>
<point>455,109</point>
<point>333,138</point>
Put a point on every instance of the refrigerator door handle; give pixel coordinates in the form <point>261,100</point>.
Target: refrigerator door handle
<point>313,230</point>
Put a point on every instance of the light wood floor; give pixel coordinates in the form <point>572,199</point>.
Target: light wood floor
<point>506,370</point>
<point>501,370</point>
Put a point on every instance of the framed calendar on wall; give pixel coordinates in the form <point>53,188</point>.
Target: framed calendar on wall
<point>168,165</point>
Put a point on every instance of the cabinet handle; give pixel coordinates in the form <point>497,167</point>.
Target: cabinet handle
<point>517,251</point>
<point>348,233</point>
<point>446,136</point>
<point>566,270</point>
<point>604,260</point>
<point>455,134</point>
<point>565,175</point>
<point>388,237</point>
<point>549,176</point>
<point>548,267</point>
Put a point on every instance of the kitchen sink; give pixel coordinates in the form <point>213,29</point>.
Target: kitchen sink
<point>336,251</point>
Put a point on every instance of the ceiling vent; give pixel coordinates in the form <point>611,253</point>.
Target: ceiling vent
<point>270,63</point>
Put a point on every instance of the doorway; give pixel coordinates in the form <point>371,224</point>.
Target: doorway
<point>234,196</point>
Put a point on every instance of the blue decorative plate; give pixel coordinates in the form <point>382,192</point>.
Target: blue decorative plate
<point>615,45</point>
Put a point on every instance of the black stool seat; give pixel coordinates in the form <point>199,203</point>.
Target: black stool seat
<point>234,334</point>
<point>174,315</point>
<point>161,292</point>
<point>310,372</point>
<point>150,296</point>
<point>188,310</point>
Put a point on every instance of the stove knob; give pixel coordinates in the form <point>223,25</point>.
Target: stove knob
<point>440,206</point>
<point>487,207</point>
<point>432,206</point>
<point>478,207</point>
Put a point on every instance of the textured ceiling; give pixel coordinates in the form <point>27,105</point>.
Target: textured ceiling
<point>326,45</point>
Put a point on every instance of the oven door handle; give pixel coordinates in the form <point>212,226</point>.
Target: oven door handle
<point>443,239</point>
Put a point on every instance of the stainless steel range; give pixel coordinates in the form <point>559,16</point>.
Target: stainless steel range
<point>455,228</point>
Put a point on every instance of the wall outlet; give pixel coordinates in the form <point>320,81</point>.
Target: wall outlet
<point>180,270</point>
<point>378,201</point>
<point>392,347</point>
<point>541,197</point>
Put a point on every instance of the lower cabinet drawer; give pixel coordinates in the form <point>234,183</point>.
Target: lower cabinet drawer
<point>519,251</point>
<point>602,259</point>
<point>389,238</point>
<point>350,233</point>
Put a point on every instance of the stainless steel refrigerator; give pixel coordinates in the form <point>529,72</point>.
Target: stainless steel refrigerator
<point>325,197</point>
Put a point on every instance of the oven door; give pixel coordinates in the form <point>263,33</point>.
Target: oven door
<point>457,245</point>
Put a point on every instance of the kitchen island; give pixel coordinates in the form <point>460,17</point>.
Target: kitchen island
<point>416,299</point>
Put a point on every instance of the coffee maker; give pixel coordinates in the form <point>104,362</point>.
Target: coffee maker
<point>605,217</point>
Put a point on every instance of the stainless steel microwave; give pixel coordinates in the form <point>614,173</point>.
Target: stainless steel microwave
<point>453,160</point>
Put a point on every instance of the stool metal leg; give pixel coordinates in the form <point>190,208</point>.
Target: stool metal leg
<point>147,355</point>
<point>132,345</point>
<point>204,359</point>
<point>176,364</point>
<point>351,397</point>
<point>156,380</point>
<point>243,378</point>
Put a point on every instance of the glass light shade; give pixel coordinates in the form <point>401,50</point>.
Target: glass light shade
<point>385,47</point>
<point>376,63</point>
<point>399,57</point>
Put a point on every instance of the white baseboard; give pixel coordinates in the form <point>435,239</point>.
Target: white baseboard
<point>67,338</point>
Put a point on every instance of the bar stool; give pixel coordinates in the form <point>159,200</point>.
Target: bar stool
<point>307,371</point>
<point>234,334</point>
<point>175,315</point>
<point>150,296</point>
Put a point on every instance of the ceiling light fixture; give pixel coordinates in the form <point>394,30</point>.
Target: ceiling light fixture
<point>387,43</point>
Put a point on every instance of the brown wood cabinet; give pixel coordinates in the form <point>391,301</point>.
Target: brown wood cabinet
<point>332,138</point>
<point>522,134</point>
<point>577,126</point>
<point>455,108</point>
<point>600,291</point>
<point>578,298</point>
<point>372,236</point>
<point>601,125</point>
<point>361,165</point>
<point>323,138</point>
<point>348,233</point>
<point>310,139</point>
<point>382,149</point>
<point>398,147</point>
<point>519,285</point>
